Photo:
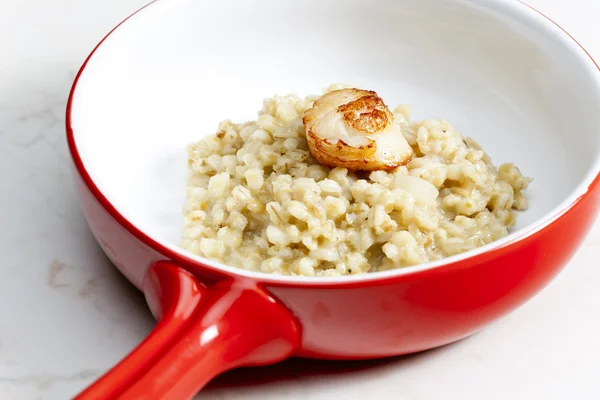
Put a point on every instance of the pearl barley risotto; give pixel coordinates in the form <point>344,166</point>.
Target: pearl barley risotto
<point>258,199</point>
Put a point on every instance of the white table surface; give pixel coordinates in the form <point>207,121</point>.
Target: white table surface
<point>66,315</point>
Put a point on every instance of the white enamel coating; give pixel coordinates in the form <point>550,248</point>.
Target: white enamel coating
<point>497,70</point>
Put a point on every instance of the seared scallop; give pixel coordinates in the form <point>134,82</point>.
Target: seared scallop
<point>353,128</point>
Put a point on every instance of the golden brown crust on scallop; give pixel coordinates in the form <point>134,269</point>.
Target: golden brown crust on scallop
<point>367,116</point>
<point>368,113</point>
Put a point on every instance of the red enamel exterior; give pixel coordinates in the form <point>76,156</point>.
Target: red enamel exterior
<point>201,332</point>
<point>211,320</point>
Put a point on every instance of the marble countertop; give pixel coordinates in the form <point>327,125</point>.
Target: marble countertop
<point>66,315</point>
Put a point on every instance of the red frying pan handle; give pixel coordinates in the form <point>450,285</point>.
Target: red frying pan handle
<point>201,332</point>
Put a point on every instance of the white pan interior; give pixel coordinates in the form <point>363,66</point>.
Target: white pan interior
<point>498,71</point>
